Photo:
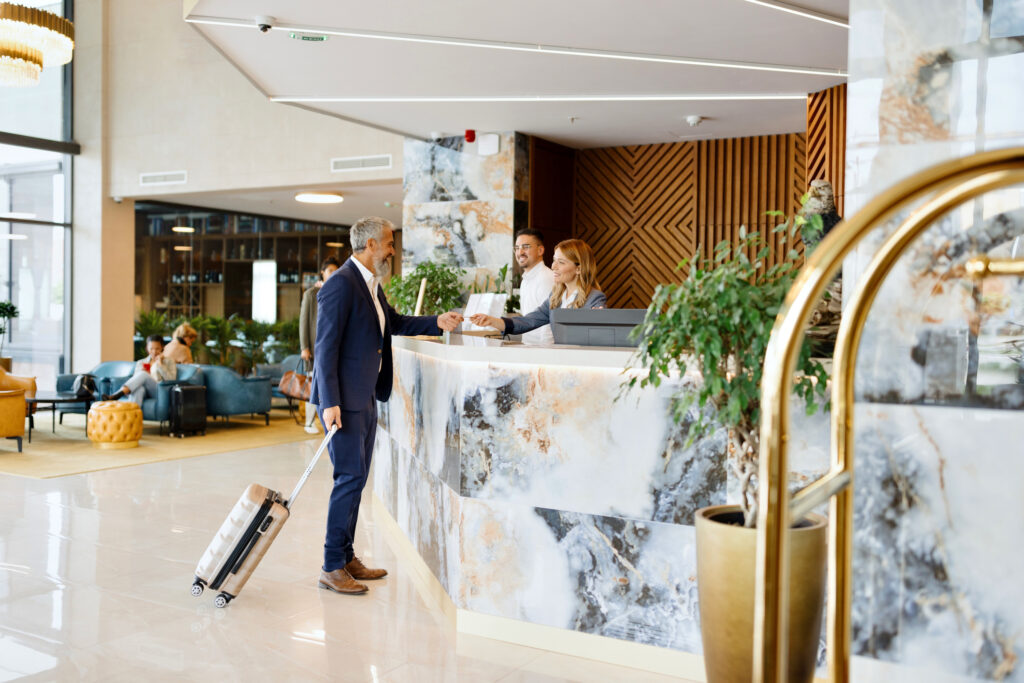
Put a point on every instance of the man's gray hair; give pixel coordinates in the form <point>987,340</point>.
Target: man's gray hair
<point>365,229</point>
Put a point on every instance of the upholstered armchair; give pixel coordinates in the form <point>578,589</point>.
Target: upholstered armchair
<point>12,414</point>
<point>109,376</point>
<point>26,384</point>
<point>228,393</point>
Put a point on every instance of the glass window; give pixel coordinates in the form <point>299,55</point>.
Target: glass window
<point>32,277</point>
<point>37,111</point>
<point>31,184</point>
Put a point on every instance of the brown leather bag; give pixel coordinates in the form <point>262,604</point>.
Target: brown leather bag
<point>296,385</point>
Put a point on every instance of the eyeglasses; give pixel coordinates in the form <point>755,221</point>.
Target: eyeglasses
<point>524,247</point>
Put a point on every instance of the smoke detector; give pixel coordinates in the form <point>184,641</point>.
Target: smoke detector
<point>694,120</point>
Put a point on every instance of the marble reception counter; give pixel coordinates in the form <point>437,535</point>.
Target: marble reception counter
<point>532,493</point>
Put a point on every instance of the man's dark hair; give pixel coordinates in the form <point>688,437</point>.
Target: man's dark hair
<point>329,261</point>
<point>155,338</point>
<point>530,232</point>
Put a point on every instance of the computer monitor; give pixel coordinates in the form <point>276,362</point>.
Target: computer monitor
<point>595,326</point>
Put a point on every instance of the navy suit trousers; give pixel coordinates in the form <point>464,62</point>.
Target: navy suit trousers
<point>351,450</point>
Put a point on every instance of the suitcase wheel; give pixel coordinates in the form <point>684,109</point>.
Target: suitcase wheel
<point>222,600</point>
<point>197,589</point>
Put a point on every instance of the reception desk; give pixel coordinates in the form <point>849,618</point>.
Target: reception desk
<point>535,489</point>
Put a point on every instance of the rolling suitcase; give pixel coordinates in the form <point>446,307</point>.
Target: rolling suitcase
<point>188,410</point>
<point>245,536</point>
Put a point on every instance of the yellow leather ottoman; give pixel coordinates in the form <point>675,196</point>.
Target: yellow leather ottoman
<point>114,424</point>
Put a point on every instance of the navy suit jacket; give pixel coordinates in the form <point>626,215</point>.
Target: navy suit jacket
<point>349,345</point>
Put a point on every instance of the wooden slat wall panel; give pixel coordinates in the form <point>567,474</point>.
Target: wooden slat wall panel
<point>826,139</point>
<point>645,208</point>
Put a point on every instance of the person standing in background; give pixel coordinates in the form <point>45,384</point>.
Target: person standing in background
<point>538,281</point>
<point>307,331</point>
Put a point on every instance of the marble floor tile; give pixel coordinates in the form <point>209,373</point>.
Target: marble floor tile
<point>95,571</point>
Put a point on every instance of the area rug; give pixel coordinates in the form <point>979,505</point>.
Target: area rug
<point>67,451</point>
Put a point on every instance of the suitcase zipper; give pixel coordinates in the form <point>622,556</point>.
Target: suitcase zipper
<point>229,567</point>
<point>252,543</point>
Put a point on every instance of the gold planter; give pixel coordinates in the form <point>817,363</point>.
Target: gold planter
<point>726,566</point>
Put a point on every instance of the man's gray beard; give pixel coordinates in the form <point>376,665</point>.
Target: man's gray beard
<point>383,269</point>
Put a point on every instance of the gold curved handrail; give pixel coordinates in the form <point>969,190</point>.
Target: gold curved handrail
<point>955,182</point>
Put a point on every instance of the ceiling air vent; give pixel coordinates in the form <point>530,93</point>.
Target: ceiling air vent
<point>360,163</point>
<point>164,178</point>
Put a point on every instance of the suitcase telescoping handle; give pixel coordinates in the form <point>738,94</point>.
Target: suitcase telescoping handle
<point>309,468</point>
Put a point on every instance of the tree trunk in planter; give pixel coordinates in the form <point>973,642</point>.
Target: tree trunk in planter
<point>726,569</point>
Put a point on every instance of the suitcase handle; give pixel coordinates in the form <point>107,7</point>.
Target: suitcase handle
<point>309,468</point>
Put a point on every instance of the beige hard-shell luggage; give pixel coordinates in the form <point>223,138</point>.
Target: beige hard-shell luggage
<point>244,537</point>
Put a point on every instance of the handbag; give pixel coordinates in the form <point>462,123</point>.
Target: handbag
<point>296,384</point>
<point>84,386</point>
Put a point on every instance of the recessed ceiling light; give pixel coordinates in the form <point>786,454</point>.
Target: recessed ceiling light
<point>801,12</point>
<point>337,245</point>
<point>180,248</point>
<point>319,197</point>
<point>183,228</point>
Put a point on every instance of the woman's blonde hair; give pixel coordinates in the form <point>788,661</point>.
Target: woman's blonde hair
<point>185,330</point>
<point>579,253</point>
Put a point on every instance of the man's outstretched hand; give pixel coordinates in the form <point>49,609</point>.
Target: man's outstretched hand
<point>449,321</point>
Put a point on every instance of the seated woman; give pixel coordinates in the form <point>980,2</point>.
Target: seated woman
<point>575,287</point>
<point>179,350</point>
<point>148,371</point>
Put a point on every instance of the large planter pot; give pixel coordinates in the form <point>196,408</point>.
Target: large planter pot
<point>726,567</point>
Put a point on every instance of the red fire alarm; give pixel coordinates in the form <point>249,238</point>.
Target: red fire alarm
<point>470,135</point>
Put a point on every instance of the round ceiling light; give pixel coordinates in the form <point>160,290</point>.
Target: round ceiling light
<point>181,248</point>
<point>183,228</point>
<point>319,197</point>
<point>334,245</point>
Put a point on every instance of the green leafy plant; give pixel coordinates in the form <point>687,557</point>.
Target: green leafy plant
<point>286,335</point>
<point>444,291</point>
<point>254,336</point>
<point>203,326</point>
<point>223,332</point>
<point>152,322</point>
<point>8,312</point>
<point>718,321</point>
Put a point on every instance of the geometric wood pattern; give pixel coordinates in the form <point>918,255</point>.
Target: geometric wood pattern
<point>643,208</point>
<point>826,139</point>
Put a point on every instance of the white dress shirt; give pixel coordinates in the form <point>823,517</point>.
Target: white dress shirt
<point>535,289</point>
<point>371,283</point>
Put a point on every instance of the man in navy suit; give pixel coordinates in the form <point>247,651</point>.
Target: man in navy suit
<point>354,371</point>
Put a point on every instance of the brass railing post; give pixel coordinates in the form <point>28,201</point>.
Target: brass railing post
<point>956,181</point>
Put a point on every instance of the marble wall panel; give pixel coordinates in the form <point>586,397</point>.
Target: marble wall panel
<point>938,524</point>
<point>469,234</point>
<point>449,170</point>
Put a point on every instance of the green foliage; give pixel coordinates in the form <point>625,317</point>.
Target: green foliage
<point>149,323</point>
<point>444,291</point>
<point>224,331</point>
<point>286,335</point>
<point>254,336</point>
<point>7,312</point>
<point>718,321</point>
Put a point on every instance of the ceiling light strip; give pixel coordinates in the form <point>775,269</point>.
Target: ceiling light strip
<point>801,12</point>
<point>528,47</point>
<point>542,98</point>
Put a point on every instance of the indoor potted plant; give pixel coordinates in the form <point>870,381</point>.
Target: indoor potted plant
<point>444,291</point>
<point>718,321</point>
<point>8,312</point>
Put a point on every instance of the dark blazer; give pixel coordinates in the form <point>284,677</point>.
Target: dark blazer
<point>349,345</point>
<point>541,315</point>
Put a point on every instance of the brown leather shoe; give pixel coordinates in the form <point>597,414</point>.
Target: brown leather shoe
<point>340,581</point>
<point>358,570</point>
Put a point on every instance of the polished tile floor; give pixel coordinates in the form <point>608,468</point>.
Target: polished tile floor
<point>95,572</point>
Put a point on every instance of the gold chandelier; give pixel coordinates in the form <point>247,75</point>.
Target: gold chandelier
<point>31,39</point>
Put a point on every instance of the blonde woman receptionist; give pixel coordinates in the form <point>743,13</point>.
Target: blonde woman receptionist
<point>575,287</point>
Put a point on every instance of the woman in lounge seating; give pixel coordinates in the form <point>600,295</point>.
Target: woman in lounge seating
<point>150,370</point>
<point>575,287</point>
<point>180,348</point>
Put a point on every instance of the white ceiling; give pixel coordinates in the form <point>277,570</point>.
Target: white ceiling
<point>361,199</point>
<point>732,30</point>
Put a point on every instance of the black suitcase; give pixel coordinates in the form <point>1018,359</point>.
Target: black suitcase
<point>188,410</point>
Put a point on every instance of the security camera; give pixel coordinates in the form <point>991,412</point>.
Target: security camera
<point>117,200</point>
<point>436,135</point>
<point>265,23</point>
<point>694,119</point>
